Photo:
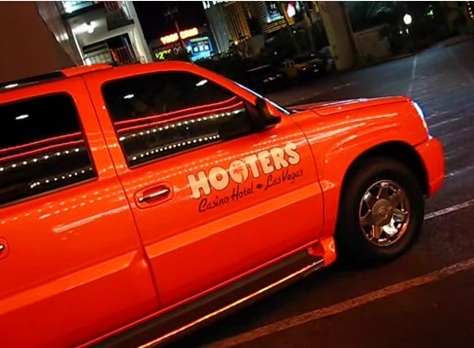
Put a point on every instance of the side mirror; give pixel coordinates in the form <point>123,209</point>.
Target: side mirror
<point>264,117</point>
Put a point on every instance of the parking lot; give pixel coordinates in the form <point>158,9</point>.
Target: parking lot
<point>423,299</point>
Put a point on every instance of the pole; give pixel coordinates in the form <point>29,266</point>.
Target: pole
<point>172,14</point>
<point>309,25</point>
<point>183,45</point>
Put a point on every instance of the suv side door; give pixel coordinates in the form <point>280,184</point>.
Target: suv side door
<point>212,199</point>
<point>72,267</point>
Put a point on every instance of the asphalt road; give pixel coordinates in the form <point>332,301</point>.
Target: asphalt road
<point>426,297</point>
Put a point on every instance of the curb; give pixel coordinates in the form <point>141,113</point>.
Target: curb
<point>457,40</point>
<point>383,61</point>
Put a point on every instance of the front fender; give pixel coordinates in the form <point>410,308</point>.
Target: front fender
<point>337,141</point>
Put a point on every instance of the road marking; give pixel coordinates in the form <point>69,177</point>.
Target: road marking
<point>437,114</point>
<point>345,305</point>
<point>413,74</point>
<point>335,88</point>
<point>358,301</point>
<point>450,209</point>
<point>459,171</point>
<point>312,95</point>
<point>445,122</point>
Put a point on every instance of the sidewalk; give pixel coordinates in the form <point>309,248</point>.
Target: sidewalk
<point>457,40</point>
<point>446,43</point>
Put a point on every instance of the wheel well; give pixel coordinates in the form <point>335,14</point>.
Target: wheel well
<point>402,152</point>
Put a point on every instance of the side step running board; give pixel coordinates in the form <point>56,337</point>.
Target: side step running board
<point>194,315</point>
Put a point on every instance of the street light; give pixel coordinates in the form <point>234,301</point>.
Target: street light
<point>407,19</point>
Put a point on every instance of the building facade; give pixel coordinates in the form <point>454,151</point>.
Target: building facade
<point>217,19</point>
<point>28,47</point>
<point>233,22</point>
<point>98,31</point>
<point>237,21</point>
<point>460,17</point>
<point>268,15</point>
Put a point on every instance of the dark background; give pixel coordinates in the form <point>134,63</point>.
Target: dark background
<point>155,24</point>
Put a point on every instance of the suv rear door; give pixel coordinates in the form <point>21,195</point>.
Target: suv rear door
<point>71,263</point>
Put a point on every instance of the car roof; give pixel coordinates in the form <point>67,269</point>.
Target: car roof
<point>51,76</point>
<point>76,71</point>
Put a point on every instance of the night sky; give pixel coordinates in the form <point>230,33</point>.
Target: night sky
<point>155,25</point>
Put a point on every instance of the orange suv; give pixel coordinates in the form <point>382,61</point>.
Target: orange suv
<point>139,202</point>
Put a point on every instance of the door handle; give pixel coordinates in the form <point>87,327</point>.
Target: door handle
<point>2,248</point>
<point>154,195</point>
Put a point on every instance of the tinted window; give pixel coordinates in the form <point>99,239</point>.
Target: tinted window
<point>162,114</point>
<point>41,147</point>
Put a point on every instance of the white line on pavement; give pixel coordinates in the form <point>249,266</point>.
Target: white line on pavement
<point>461,171</point>
<point>344,85</point>
<point>450,209</point>
<point>413,75</point>
<point>345,305</point>
<point>445,122</point>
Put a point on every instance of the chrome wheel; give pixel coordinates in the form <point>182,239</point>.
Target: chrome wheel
<point>384,213</point>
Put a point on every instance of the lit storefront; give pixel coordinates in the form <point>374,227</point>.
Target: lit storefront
<point>198,43</point>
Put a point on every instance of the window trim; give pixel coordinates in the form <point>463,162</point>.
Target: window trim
<point>281,108</point>
<point>158,72</point>
<point>69,95</point>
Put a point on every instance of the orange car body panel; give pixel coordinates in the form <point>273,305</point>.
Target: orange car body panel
<point>215,228</point>
<point>430,152</point>
<point>75,256</point>
<point>98,248</point>
<point>340,132</point>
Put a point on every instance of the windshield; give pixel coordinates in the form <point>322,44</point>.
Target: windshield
<point>279,107</point>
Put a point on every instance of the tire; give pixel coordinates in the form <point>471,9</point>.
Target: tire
<point>373,229</point>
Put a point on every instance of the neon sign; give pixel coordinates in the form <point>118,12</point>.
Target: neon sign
<point>162,54</point>
<point>184,34</point>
